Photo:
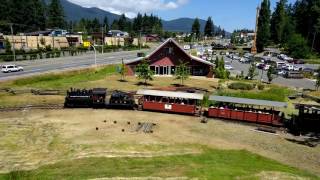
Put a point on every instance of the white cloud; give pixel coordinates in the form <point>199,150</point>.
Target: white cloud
<point>131,7</point>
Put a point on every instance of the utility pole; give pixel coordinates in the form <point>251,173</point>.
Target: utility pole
<point>13,43</point>
<point>140,39</point>
<point>102,37</point>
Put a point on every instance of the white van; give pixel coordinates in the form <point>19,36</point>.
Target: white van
<point>11,68</point>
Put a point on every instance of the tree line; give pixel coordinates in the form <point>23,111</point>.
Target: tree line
<point>30,15</point>
<point>293,27</point>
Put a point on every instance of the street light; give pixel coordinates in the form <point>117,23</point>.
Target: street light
<point>95,55</point>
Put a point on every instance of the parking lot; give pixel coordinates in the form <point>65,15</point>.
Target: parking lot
<point>262,74</point>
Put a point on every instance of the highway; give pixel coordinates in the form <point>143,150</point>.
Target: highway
<point>32,67</point>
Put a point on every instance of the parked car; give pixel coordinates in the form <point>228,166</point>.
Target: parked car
<point>297,68</point>
<point>267,67</point>
<point>293,74</point>
<point>289,67</point>
<point>228,67</point>
<point>261,66</point>
<point>11,68</point>
<point>298,61</point>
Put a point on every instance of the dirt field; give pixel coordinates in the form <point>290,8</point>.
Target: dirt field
<point>29,139</point>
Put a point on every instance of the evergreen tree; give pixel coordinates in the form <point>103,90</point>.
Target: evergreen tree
<point>39,19</point>
<point>122,22</point>
<point>263,33</point>
<point>137,23</point>
<point>209,28</point>
<point>278,22</point>
<point>252,71</point>
<point>55,15</point>
<point>95,25</point>
<point>196,28</point>
<point>270,74</point>
<point>106,24</point>
<point>318,79</point>
<point>114,25</point>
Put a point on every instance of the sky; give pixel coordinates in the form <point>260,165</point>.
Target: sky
<point>229,14</point>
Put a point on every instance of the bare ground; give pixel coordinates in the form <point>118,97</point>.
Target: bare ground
<point>30,139</point>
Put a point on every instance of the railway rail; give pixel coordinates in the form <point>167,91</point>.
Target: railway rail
<point>33,107</point>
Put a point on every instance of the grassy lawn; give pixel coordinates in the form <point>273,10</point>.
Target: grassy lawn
<point>211,164</point>
<point>272,94</point>
<point>312,61</point>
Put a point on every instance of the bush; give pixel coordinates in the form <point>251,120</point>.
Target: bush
<point>241,86</point>
<point>261,86</point>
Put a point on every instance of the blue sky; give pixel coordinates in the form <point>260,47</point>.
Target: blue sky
<point>229,14</point>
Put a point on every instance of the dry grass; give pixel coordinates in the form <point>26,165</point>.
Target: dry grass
<point>31,139</point>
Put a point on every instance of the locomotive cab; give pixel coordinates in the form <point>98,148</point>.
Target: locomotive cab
<point>98,97</point>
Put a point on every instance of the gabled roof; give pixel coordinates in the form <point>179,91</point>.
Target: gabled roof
<point>174,42</point>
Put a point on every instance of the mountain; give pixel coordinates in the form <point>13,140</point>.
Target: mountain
<point>182,25</point>
<point>74,12</point>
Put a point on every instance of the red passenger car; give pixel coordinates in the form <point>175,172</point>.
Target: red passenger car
<point>170,101</point>
<point>243,109</point>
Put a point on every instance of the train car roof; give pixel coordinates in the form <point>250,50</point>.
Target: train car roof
<point>173,94</point>
<point>248,101</point>
<point>99,91</point>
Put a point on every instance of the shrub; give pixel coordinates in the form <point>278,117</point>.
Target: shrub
<point>261,86</point>
<point>241,86</point>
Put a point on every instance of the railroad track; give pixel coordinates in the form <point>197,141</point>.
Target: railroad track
<point>28,107</point>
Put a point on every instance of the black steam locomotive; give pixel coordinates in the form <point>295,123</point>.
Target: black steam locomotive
<point>98,98</point>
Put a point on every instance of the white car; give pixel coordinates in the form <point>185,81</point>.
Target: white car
<point>267,67</point>
<point>228,67</point>
<point>11,68</point>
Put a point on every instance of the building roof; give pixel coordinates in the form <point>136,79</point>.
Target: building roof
<point>173,41</point>
<point>173,94</point>
<point>247,101</point>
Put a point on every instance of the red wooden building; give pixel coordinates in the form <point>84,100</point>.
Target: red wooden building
<point>167,56</point>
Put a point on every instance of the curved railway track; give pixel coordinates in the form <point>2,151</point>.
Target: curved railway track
<point>28,107</point>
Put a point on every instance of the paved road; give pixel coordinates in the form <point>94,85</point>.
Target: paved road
<point>296,83</point>
<point>67,63</point>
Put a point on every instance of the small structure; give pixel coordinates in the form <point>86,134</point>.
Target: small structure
<point>234,108</point>
<point>170,101</point>
<point>164,60</point>
<point>117,33</point>
<point>152,38</point>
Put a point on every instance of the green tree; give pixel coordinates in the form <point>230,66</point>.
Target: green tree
<point>318,79</point>
<point>122,22</point>
<point>278,22</point>
<point>263,33</point>
<point>196,28</point>
<point>220,71</point>
<point>114,25</point>
<point>7,45</point>
<point>55,15</point>
<point>182,72</point>
<point>39,15</point>
<point>252,71</point>
<point>298,46</point>
<point>106,24</point>
<point>95,25</point>
<point>270,74</point>
<point>144,72</point>
<point>123,70</point>
<point>209,28</point>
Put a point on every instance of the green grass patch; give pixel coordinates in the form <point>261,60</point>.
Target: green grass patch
<point>211,164</point>
<point>241,86</point>
<point>65,79</point>
<point>272,94</point>
<point>312,61</point>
